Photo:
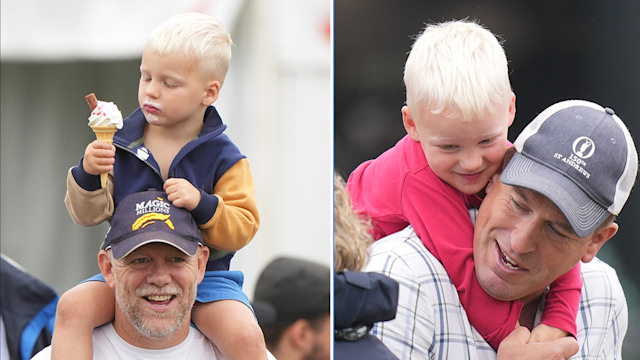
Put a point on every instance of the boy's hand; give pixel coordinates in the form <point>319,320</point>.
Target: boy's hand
<point>517,346</point>
<point>99,157</point>
<point>181,193</point>
<point>542,333</point>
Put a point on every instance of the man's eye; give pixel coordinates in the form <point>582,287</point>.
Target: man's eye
<point>557,230</point>
<point>139,261</point>
<point>518,205</point>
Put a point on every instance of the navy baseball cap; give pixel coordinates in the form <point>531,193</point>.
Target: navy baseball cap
<point>148,217</point>
<point>581,156</point>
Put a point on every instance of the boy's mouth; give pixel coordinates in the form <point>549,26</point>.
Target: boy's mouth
<point>152,110</point>
<point>152,107</point>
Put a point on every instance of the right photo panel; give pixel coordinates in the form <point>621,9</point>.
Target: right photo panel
<point>485,163</point>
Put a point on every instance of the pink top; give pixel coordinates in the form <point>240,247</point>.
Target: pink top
<point>399,188</point>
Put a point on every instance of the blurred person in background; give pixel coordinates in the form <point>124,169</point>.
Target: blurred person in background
<point>360,298</point>
<point>27,312</point>
<point>292,302</point>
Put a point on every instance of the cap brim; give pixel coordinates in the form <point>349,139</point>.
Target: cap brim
<point>123,248</point>
<point>584,215</point>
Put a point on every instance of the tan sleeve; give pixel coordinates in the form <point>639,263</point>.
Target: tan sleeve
<point>236,219</point>
<point>88,208</point>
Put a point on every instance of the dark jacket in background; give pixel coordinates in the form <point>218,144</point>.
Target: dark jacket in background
<point>361,299</point>
<point>28,308</point>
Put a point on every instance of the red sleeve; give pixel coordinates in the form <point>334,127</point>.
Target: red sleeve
<point>375,191</point>
<point>563,301</point>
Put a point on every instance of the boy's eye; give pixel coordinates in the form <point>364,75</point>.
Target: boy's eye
<point>488,141</point>
<point>448,147</point>
<point>169,85</point>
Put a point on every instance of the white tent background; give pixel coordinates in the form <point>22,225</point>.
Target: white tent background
<point>276,101</point>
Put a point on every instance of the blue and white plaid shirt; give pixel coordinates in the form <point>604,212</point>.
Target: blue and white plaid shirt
<point>431,323</point>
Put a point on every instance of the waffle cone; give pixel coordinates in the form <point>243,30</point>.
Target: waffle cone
<point>104,133</point>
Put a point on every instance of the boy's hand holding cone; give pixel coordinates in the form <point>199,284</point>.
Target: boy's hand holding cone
<point>105,120</point>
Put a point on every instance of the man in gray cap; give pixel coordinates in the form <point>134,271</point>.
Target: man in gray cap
<point>292,302</point>
<point>553,206</point>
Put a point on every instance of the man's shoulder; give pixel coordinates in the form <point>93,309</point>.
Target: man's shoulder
<point>426,293</point>
<point>403,253</point>
<point>402,257</point>
<point>601,286</point>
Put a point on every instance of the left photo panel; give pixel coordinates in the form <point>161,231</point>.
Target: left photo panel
<point>166,179</point>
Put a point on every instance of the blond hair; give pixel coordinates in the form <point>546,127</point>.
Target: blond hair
<point>197,35</point>
<point>351,233</point>
<point>456,68</point>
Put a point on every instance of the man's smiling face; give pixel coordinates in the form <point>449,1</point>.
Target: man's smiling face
<point>522,243</point>
<point>155,288</point>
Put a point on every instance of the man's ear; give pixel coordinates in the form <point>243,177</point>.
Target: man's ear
<point>300,335</point>
<point>598,240</point>
<point>212,92</point>
<point>409,124</point>
<point>106,267</point>
<point>495,178</point>
<point>202,257</point>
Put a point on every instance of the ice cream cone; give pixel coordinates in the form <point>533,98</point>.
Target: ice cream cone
<point>104,133</point>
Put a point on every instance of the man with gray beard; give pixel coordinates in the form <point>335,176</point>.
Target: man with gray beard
<point>154,263</point>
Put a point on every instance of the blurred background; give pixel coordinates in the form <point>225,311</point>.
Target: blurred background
<point>276,101</point>
<point>557,50</point>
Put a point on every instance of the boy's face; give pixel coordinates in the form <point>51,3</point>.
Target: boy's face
<point>463,154</point>
<point>171,91</point>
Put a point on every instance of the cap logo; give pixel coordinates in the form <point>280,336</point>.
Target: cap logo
<point>152,211</point>
<point>151,218</point>
<point>580,146</point>
<point>584,147</point>
<point>158,205</point>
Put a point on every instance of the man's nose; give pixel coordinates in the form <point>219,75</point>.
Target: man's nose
<point>524,237</point>
<point>160,274</point>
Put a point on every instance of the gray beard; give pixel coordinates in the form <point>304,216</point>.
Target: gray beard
<point>136,316</point>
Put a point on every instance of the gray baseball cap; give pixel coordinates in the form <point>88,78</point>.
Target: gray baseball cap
<point>581,156</point>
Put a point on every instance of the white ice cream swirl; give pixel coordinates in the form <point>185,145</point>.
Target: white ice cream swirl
<point>106,114</point>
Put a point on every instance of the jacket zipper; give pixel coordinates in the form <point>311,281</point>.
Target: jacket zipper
<point>136,155</point>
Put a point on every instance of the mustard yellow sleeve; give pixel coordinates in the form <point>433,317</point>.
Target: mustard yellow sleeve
<point>88,208</point>
<point>236,218</point>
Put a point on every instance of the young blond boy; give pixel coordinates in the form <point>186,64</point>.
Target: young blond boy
<point>175,142</point>
<point>459,108</point>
